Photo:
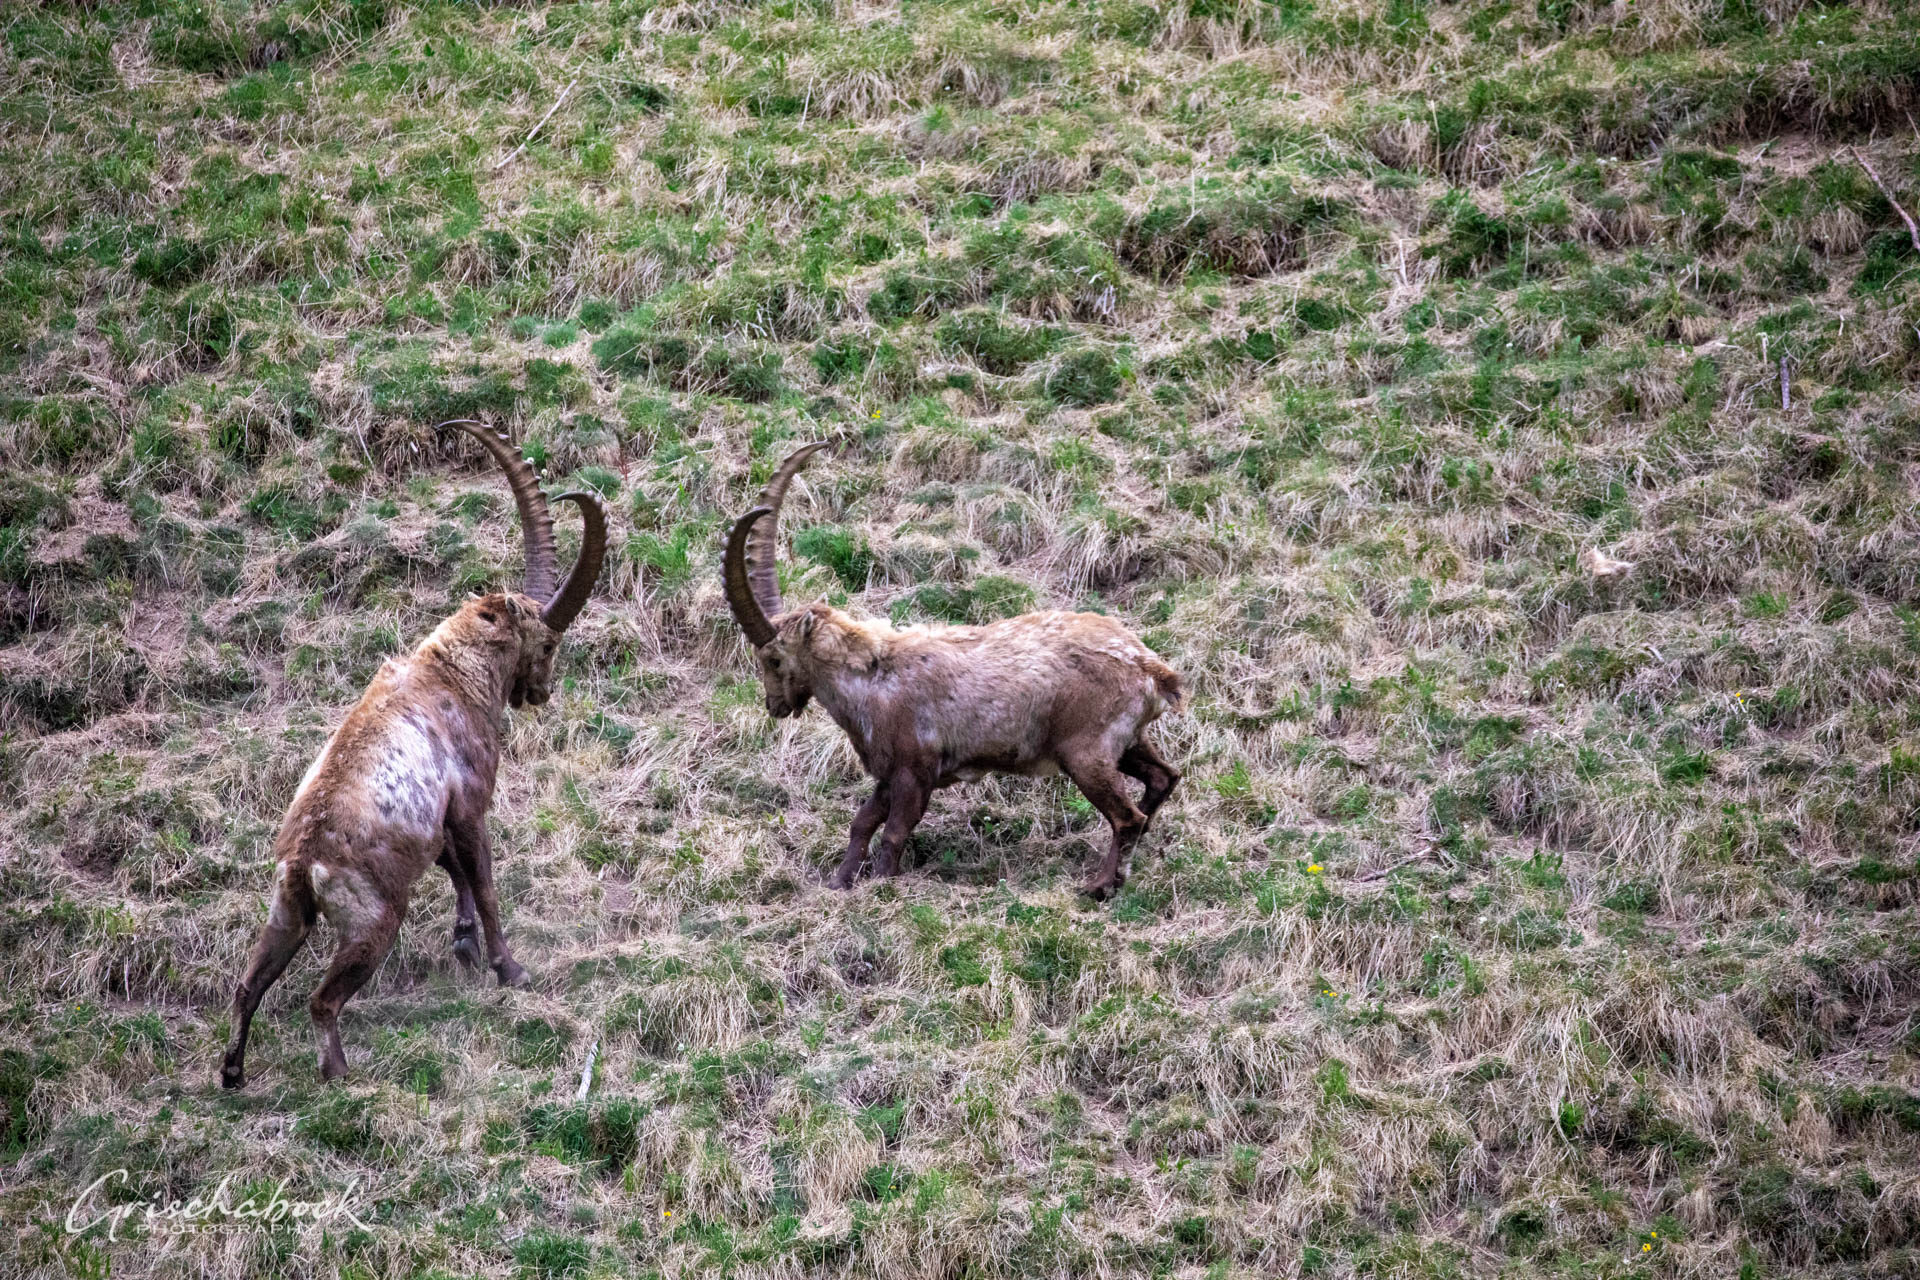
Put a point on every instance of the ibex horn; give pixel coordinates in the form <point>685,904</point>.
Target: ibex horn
<point>763,542</point>
<point>746,610</point>
<point>572,596</point>
<point>536,522</point>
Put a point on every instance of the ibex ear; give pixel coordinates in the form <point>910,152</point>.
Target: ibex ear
<point>807,620</point>
<point>513,608</point>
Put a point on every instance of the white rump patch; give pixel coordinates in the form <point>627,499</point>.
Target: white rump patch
<point>346,897</point>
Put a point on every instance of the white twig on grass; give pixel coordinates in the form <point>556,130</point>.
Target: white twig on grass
<point>1913,228</point>
<point>586,1072</point>
<point>514,154</point>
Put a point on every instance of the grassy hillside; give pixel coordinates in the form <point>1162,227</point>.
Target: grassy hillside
<point>1510,920</point>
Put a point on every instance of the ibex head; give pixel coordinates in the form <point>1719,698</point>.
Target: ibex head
<point>507,624</point>
<point>787,644</point>
<point>524,627</point>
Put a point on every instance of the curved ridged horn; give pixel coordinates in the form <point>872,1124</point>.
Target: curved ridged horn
<point>536,522</point>
<point>572,596</point>
<point>746,610</point>
<point>763,542</point>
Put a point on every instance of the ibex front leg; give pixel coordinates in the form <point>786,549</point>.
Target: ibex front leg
<point>909,794</point>
<point>865,823</point>
<point>468,841</point>
<point>466,927</point>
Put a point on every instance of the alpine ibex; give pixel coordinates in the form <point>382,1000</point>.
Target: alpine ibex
<point>407,778</point>
<point>927,706</point>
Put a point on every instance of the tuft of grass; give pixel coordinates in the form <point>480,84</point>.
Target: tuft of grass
<point>998,344</point>
<point>1082,379</point>
<point>987,599</point>
<point>841,550</point>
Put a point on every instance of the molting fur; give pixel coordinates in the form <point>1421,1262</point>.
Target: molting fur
<point>927,706</point>
<point>406,780</point>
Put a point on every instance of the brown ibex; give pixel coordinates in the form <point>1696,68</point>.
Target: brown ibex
<point>926,706</point>
<point>407,778</point>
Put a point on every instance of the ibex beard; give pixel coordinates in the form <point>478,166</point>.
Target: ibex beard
<point>1039,694</point>
<point>406,781</point>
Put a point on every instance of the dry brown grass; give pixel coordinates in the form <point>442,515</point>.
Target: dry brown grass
<point>1508,914</point>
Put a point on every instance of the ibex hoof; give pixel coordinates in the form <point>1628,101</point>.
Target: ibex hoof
<point>511,974</point>
<point>332,1069</point>
<point>841,879</point>
<point>465,949</point>
<point>1101,890</point>
<point>232,1077</point>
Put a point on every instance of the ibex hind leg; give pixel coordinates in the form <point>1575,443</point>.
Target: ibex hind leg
<point>288,921</point>
<point>367,925</point>
<point>1144,764</point>
<point>356,961</point>
<point>1100,781</point>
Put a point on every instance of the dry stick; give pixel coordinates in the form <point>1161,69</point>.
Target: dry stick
<point>1913,229</point>
<point>538,127</point>
<point>586,1073</point>
<point>1381,873</point>
<point>1786,392</point>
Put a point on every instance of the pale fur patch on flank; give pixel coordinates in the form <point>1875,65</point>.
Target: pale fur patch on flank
<point>409,784</point>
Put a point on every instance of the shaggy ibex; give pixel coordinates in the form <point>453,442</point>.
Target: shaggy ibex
<point>407,778</point>
<point>927,706</point>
